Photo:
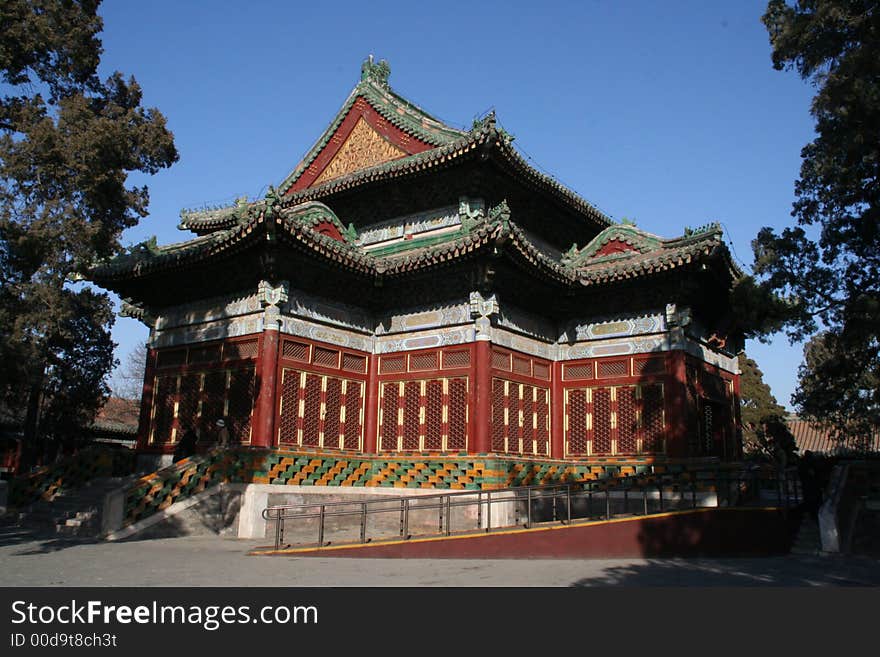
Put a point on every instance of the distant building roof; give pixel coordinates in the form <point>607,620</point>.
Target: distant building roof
<point>815,438</point>
<point>118,416</point>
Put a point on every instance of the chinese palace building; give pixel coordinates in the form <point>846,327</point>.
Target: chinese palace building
<point>411,288</point>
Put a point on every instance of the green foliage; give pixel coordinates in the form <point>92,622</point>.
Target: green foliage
<point>763,419</point>
<point>67,143</point>
<point>827,267</point>
<point>837,392</point>
<point>758,402</point>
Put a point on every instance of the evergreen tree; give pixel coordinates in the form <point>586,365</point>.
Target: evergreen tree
<point>762,416</point>
<point>67,143</point>
<point>827,267</point>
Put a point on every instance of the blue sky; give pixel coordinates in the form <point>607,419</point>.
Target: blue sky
<point>667,113</point>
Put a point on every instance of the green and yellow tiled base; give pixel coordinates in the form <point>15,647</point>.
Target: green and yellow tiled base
<point>163,488</point>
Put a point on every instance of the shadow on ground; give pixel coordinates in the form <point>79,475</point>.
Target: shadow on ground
<point>44,541</point>
<point>772,571</point>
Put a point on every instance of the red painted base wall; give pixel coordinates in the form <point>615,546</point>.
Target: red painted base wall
<point>707,532</point>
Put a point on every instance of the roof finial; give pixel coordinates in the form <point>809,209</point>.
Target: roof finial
<point>376,73</point>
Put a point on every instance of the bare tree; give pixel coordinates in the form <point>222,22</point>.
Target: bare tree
<point>129,380</point>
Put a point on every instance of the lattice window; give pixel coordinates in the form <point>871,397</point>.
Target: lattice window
<point>412,399</point>
<point>241,403</point>
<point>421,362</point>
<point>289,414</point>
<point>326,357</point>
<point>392,364</point>
<point>499,425</point>
<point>332,412</point>
<point>239,350</point>
<point>649,366</point>
<point>515,417</point>
<point>500,360</point>
<point>578,371</point>
<point>627,420</point>
<point>164,397</point>
<point>208,354</point>
<point>459,358</point>
<point>522,365</point>
<point>213,399</point>
<point>693,422</point>
<point>652,418</point>
<point>171,358</point>
<point>527,432</point>
<point>388,428</point>
<point>457,415</point>
<point>434,415</point>
<point>542,415</point>
<point>188,402</point>
<point>577,422</point>
<point>613,368</point>
<point>295,351</point>
<point>708,428</point>
<point>312,410</point>
<point>354,363</point>
<point>352,431</point>
<point>542,371</point>
<point>601,420</point>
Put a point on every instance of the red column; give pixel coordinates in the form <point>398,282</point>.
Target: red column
<point>677,406</point>
<point>267,370</point>
<point>557,412</point>
<point>146,400</point>
<point>483,386</point>
<point>371,406</point>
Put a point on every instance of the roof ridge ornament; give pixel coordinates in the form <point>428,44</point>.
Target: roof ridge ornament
<point>377,73</point>
<point>500,214</point>
<point>471,212</point>
<point>149,246</point>
<point>570,256</point>
<point>272,199</point>
<point>711,227</point>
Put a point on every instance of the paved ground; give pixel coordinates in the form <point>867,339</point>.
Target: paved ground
<point>29,560</point>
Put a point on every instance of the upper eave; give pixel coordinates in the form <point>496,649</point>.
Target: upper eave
<point>698,248</point>
<point>294,224</point>
<point>484,142</point>
<point>495,236</point>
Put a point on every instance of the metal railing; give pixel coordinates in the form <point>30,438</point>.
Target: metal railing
<point>529,505</point>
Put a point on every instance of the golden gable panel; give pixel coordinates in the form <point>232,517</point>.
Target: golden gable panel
<point>364,148</point>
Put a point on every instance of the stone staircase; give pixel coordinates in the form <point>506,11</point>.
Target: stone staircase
<point>73,513</point>
<point>808,541</point>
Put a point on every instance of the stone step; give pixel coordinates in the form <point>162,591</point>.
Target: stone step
<point>808,540</point>
<point>73,512</point>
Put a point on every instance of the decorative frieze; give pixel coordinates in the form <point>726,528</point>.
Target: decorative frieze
<point>209,310</point>
<point>613,327</point>
<point>519,321</point>
<point>321,333</point>
<point>411,224</point>
<point>425,339</point>
<point>524,344</point>
<point>597,349</point>
<point>247,325</point>
<point>307,306</point>
<point>425,317</point>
